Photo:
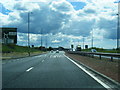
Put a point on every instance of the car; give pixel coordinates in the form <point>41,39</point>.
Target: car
<point>51,51</point>
<point>57,51</point>
<point>93,50</point>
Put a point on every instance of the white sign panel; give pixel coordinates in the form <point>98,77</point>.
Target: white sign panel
<point>12,33</point>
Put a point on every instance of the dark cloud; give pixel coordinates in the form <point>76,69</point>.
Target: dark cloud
<point>110,26</point>
<point>20,6</point>
<point>80,28</point>
<point>45,18</point>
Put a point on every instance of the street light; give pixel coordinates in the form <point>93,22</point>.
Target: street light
<point>41,37</point>
<point>83,42</point>
<point>92,39</point>
<point>118,31</point>
<point>29,32</point>
<point>46,41</point>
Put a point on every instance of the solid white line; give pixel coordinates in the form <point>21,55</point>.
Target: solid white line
<point>29,69</point>
<point>95,78</point>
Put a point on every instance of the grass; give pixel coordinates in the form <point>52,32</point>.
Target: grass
<point>15,48</point>
<point>11,51</point>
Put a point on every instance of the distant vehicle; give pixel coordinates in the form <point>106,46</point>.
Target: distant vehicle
<point>93,50</point>
<point>57,51</point>
<point>51,51</point>
<point>78,48</point>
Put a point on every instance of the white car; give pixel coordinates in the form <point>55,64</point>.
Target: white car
<point>51,51</point>
<point>57,51</point>
<point>93,50</point>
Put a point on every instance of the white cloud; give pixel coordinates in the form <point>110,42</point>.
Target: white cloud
<point>3,19</point>
<point>55,41</point>
<point>59,18</point>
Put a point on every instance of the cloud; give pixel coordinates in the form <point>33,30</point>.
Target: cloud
<point>90,11</point>
<point>48,17</point>
<point>59,16</point>
<point>110,26</point>
<point>55,41</point>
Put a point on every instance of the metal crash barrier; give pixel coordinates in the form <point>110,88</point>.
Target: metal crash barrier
<point>92,54</point>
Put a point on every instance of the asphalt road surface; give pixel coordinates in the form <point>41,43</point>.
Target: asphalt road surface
<point>51,70</point>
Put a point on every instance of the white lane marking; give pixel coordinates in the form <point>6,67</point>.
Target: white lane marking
<point>95,78</point>
<point>29,69</point>
<point>42,60</point>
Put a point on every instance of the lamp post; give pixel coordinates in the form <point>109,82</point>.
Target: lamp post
<point>46,43</point>
<point>28,33</point>
<point>41,38</point>
<point>92,40</point>
<point>118,31</point>
<point>83,42</point>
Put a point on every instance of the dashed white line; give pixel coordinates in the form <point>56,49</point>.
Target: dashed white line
<point>42,60</point>
<point>29,69</point>
<point>95,78</point>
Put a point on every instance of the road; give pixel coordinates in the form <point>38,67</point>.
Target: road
<point>51,70</point>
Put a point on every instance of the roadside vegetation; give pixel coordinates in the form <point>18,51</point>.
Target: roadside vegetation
<point>102,50</point>
<point>15,48</point>
<point>10,51</point>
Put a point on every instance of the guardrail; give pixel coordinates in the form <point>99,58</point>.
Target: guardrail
<point>117,55</point>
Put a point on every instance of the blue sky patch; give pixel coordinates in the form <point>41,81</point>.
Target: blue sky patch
<point>4,10</point>
<point>117,1</point>
<point>78,5</point>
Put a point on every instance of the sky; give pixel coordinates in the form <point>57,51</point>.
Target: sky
<point>62,22</point>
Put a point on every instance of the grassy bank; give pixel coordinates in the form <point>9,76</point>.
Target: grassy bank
<point>14,51</point>
<point>15,48</point>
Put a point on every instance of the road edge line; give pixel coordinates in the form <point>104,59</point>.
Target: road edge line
<point>95,78</point>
